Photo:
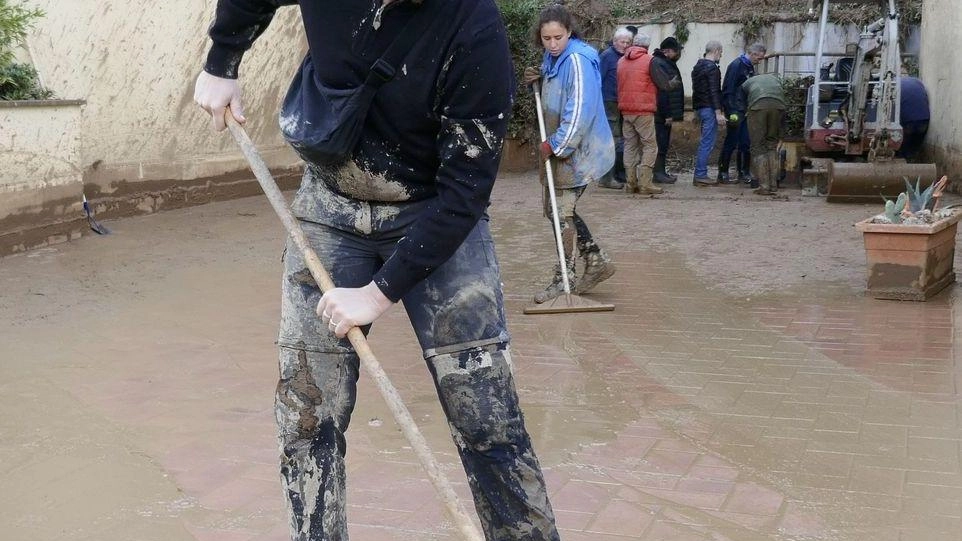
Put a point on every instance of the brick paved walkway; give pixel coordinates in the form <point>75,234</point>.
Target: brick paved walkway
<point>138,369</point>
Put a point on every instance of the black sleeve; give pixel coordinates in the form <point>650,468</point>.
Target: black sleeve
<point>237,23</point>
<point>661,77</point>
<point>714,88</point>
<point>730,88</point>
<point>475,94</point>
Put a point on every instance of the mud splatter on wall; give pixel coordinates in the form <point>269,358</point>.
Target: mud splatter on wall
<point>135,65</point>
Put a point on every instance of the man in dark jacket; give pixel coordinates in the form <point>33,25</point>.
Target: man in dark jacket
<point>404,217</point>
<point>763,100</point>
<point>914,116</point>
<point>671,104</point>
<point>736,135</point>
<point>706,100</point>
<point>609,92</point>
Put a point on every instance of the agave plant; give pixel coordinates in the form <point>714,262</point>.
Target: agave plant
<point>894,209</point>
<point>925,199</point>
<point>914,205</point>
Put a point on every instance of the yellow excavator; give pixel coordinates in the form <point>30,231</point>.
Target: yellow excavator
<point>852,115</point>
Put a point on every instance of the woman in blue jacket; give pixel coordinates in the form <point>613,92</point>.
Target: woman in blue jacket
<point>579,144</point>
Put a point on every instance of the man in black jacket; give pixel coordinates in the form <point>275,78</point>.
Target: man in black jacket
<point>736,135</point>
<point>707,102</point>
<point>403,218</point>
<point>671,104</point>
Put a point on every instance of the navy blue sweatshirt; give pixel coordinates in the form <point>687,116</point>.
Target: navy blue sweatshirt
<point>738,71</point>
<point>433,133</point>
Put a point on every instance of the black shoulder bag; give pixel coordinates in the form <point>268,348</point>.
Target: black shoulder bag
<point>324,124</point>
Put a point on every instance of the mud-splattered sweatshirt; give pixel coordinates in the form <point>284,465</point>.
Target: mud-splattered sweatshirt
<point>433,133</point>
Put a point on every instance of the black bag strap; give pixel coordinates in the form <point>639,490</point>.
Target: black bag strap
<point>385,68</point>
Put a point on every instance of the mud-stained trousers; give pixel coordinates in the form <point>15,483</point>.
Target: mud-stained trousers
<point>766,129</point>
<point>458,316</point>
<point>574,230</point>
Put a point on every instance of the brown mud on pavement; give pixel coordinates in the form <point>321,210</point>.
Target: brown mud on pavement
<point>743,389</point>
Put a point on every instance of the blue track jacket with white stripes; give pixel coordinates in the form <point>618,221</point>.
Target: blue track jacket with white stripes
<point>578,130</point>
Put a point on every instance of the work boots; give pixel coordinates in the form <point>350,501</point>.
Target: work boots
<point>661,176</point>
<point>631,180</point>
<point>765,167</point>
<point>598,268</point>
<point>744,163</point>
<point>645,178</point>
<point>556,287</point>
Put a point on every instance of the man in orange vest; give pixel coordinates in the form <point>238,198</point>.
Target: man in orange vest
<point>638,85</point>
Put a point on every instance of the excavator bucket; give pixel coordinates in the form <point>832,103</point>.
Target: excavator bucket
<point>850,182</point>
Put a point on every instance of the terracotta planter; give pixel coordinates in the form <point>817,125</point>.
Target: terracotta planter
<point>909,262</point>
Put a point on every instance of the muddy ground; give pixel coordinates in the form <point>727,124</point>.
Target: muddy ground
<point>137,370</point>
<point>739,243</point>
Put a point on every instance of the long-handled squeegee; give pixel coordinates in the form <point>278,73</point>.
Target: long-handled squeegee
<point>401,414</point>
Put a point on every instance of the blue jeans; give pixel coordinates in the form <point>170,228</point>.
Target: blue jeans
<point>709,130</point>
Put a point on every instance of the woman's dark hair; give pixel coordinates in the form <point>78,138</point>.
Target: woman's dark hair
<point>555,13</point>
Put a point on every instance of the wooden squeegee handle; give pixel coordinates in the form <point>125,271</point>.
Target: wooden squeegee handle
<point>370,363</point>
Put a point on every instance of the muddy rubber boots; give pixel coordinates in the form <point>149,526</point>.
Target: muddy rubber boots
<point>556,287</point>
<point>765,168</point>
<point>598,268</point>
<point>645,178</point>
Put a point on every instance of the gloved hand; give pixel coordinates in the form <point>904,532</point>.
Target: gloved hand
<point>734,118</point>
<point>531,75</point>
<point>546,151</point>
<point>668,122</point>
<point>214,94</point>
<point>343,308</point>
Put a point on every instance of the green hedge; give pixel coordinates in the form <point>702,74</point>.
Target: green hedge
<point>17,81</point>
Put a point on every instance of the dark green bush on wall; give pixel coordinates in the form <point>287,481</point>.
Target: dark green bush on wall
<point>520,16</point>
<point>17,81</point>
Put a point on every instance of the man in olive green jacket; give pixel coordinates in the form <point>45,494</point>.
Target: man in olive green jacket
<point>763,100</point>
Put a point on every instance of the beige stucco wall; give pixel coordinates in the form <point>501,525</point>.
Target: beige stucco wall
<point>941,71</point>
<point>135,62</point>
<point>40,182</point>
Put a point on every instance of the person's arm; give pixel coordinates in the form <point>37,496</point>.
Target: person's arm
<point>741,101</point>
<point>713,78</point>
<point>475,95</point>
<point>237,23</point>
<point>582,91</point>
<point>662,78</point>
<point>729,89</point>
<point>677,97</point>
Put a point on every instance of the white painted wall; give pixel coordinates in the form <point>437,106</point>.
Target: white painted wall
<point>941,71</point>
